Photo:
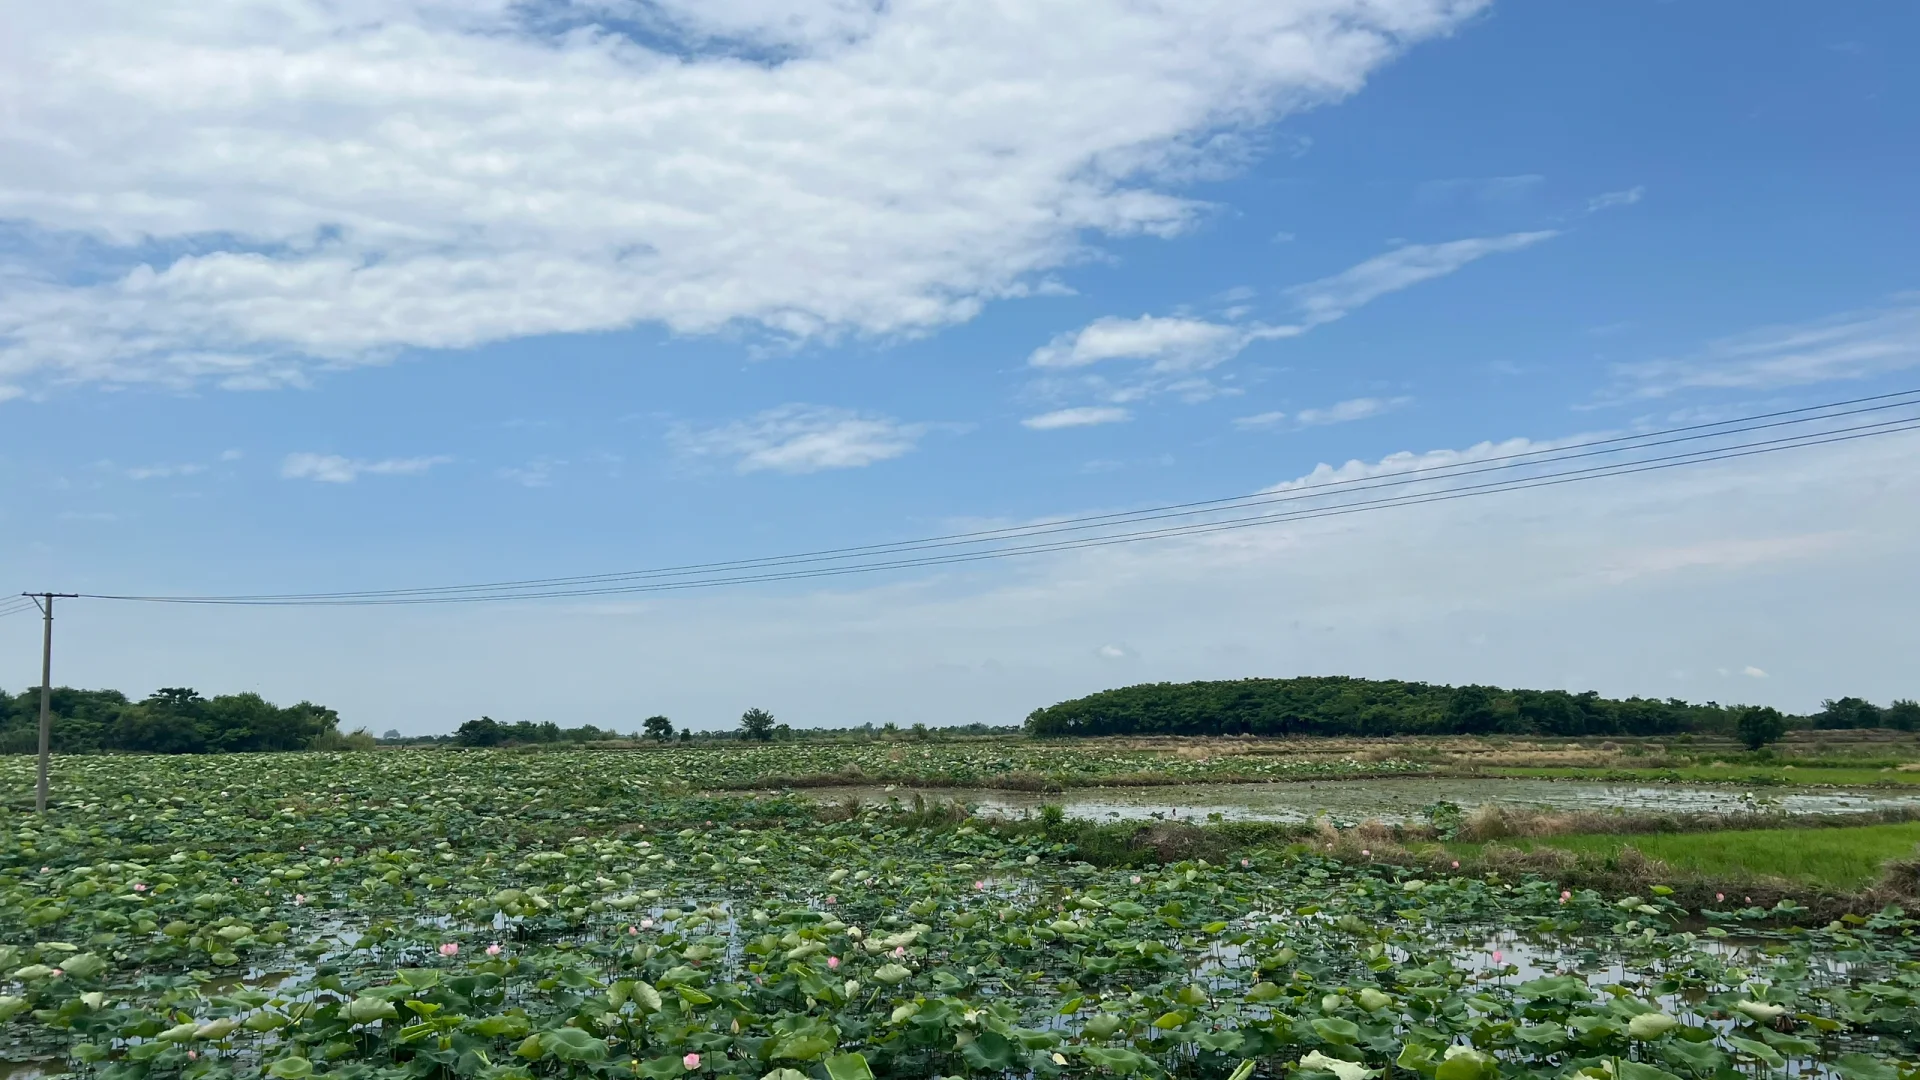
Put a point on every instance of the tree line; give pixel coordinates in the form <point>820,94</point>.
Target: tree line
<point>1341,705</point>
<point>171,720</point>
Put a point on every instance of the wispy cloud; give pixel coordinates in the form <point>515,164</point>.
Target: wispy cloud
<point>1854,345</point>
<point>1346,411</point>
<point>164,472</point>
<point>537,473</point>
<point>1338,413</point>
<point>1610,199</point>
<point>1335,297</point>
<point>799,438</point>
<point>1168,344</point>
<point>1083,416</point>
<point>335,469</point>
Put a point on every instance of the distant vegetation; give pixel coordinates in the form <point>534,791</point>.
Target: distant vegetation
<point>173,720</point>
<point>1338,705</point>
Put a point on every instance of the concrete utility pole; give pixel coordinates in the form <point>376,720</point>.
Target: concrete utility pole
<point>45,602</point>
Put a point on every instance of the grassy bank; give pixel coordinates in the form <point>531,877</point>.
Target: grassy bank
<point>1840,859</point>
<point>1825,867</point>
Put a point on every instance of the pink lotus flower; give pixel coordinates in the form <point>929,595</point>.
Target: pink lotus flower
<point>833,899</point>
<point>493,949</point>
<point>1367,852</point>
<point>1497,957</point>
<point>1136,879</point>
<point>57,972</point>
<point>193,1055</point>
<point>979,885</point>
<point>139,887</point>
<point>833,962</point>
<point>691,1061</point>
<point>299,899</point>
<point>646,924</point>
<point>1719,898</point>
<point>1456,864</point>
<point>633,929</point>
<point>899,950</point>
<point>450,948</point>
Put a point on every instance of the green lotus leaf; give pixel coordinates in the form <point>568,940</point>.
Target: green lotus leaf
<point>572,1044</point>
<point>366,1009</point>
<point>1650,1025</point>
<point>1335,1030</point>
<point>83,965</point>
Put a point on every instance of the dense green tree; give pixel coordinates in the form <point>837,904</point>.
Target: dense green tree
<point>1342,706</point>
<point>1848,712</point>
<point>757,724</point>
<point>1759,725</point>
<point>1904,715</point>
<point>658,727</point>
<point>171,720</point>
<point>485,731</point>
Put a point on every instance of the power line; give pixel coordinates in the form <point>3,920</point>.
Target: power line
<point>1593,448</point>
<point>1616,444</point>
<point>608,584</point>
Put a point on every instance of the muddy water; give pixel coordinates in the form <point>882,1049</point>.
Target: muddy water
<point>1387,800</point>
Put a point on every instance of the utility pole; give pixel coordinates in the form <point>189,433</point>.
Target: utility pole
<point>45,603</point>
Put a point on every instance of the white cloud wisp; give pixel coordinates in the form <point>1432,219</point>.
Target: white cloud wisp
<point>335,469</point>
<point>798,438</point>
<point>1335,297</point>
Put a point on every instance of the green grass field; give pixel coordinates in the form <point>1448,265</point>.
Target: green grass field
<point>1837,858</point>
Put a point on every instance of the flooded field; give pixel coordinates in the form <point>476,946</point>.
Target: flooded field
<point>1388,800</point>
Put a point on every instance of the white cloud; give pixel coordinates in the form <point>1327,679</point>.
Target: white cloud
<point>1261,420</point>
<point>1344,411</point>
<point>1335,297</point>
<point>164,472</point>
<point>1610,199</point>
<point>1169,344</point>
<point>1082,416</point>
<point>799,438</point>
<point>534,474</point>
<point>335,469</point>
<point>1752,672</point>
<point>280,184</point>
<point>1855,345</point>
<point>1338,413</point>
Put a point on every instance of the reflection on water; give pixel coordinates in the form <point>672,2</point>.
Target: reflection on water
<point>1389,800</point>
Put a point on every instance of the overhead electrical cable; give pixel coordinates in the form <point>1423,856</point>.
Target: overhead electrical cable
<point>795,567</point>
<point>1291,494</point>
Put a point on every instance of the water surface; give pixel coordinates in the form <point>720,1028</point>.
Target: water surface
<point>1389,800</point>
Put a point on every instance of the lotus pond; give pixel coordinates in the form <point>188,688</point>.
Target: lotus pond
<point>508,916</point>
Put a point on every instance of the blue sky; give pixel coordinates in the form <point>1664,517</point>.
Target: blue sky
<point>299,297</point>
